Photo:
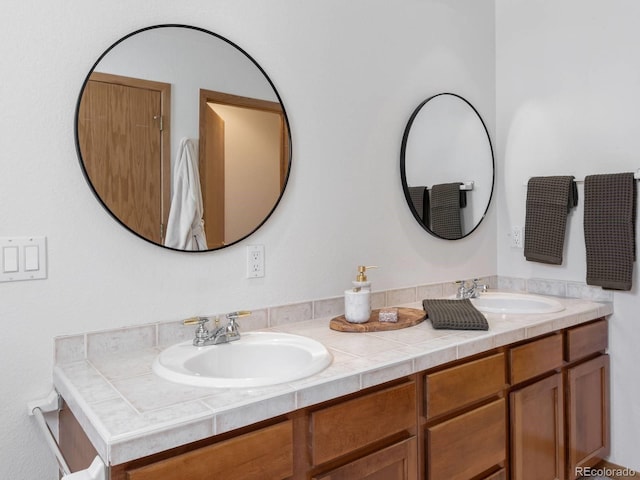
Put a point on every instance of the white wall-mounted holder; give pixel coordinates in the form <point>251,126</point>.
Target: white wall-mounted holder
<point>51,403</point>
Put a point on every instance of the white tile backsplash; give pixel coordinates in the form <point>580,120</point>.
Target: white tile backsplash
<point>297,312</point>
<point>121,340</point>
<point>285,317</point>
<point>556,288</point>
<point>401,296</point>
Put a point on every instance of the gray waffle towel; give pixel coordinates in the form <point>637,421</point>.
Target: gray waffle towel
<point>446,221</point>
<point>609,229</point>
<point>549,199</point>
<point>417,198</point>
<point>454,314</point>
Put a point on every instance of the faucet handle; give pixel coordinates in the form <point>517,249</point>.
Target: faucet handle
<point>195,321</point>
<point>238,314</point>
<point>201,332</point>
<point>233,326</point>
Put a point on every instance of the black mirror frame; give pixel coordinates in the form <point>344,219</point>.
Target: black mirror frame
<point>255,63</point>
<point>403,172</point>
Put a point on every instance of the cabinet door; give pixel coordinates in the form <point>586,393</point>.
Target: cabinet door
<point>265,453</point>
<point>588,413</point>
<point>468,445</point>
<point>537,431</point>
<point>397,462</point>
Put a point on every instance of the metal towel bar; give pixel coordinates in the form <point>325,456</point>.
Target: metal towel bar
<point>636,175</point>
<point>96,471</point>
<point>463,185</point>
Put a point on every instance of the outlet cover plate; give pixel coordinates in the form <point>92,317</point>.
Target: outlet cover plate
<point>255,261</point>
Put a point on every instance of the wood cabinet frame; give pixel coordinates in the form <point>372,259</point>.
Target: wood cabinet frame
<point>400,441</point>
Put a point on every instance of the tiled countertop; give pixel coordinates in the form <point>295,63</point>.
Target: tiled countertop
<point>128,412</point>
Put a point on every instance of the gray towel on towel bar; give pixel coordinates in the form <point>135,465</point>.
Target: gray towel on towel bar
<point>454,314</point>
<point>609,229</point>
<point>417,195</point>
<point>446,219</point>
<point>549,199</point>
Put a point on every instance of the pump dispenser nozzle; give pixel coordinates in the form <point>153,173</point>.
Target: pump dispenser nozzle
<point>362,277</point>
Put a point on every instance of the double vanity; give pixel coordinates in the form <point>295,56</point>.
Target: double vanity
<point>526,399</point>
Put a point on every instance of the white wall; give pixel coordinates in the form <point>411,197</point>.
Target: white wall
<point>568,91</point>
<point>252,156</point>
<point>349,73</point>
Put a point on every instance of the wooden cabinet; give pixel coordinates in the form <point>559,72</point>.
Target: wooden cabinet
<point>499,475</point>
<point>587,395</point>
<point>535,358</point>
<point>455,387</point>
<point>353,424</point>
<point>586,340</point>
<point>559,422</point>
<point>532,410</point>
<point>537,430</point>
<point>587,413</point>
<point>265,453</point>
<point>396,462</point>
<point>469,444</point>
<point>466,419</point>
<point>537,410</point>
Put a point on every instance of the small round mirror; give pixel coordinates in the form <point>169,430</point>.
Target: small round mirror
<point>183,138</point>
<point>447,166</point>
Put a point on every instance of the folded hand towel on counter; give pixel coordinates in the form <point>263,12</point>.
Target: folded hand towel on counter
<point>549,199</point>
<point>609,229</point>
<point>454,314</point>
<point>446,219</point>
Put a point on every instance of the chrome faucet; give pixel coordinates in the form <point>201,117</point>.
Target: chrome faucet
<point>470,292</point>
<point>225,334</point>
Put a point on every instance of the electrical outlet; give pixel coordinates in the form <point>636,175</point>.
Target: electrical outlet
<point>255,261</point>
<point>516,237</point>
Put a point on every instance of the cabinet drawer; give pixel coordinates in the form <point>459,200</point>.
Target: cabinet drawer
<point>397,462</point>
<point>586,339</point>
<point>467,445</point>
<point>464,384</point>
<point>353,424</point>
<point>499,475</point>
<point>535,358</point>
<point>265,453</point>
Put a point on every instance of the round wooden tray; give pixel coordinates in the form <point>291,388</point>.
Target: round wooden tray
<point>407,317</point>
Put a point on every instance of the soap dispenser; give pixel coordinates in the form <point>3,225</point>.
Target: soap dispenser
<point>357,300</point>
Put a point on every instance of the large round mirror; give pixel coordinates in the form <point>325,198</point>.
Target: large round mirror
<point>447,166</point>
<point>183,138</point>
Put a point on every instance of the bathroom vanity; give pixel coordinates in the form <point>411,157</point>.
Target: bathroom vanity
<point>527,399</point>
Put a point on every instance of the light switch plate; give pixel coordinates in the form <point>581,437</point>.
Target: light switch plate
<point>23,258</point>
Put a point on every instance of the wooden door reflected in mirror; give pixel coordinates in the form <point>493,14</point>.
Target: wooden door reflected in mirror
<point>124,132</point>
<point>243,162</point>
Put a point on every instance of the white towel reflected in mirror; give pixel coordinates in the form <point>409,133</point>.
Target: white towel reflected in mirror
<point>185,227</point>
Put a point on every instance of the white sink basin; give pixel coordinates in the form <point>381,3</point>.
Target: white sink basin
<point>515,303</point>
<point>257,359</point>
